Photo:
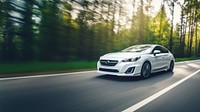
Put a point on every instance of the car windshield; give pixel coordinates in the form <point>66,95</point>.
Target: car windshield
<point>137,48</point>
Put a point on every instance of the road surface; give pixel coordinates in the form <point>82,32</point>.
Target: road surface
<point>93,92</point>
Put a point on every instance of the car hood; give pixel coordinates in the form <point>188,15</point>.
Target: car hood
<point>121,55</point>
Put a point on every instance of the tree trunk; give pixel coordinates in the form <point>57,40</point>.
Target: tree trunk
<point>141,23</point>
<point>172,26</point>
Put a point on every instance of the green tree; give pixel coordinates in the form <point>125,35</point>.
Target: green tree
<point>191,9</point>
<point>8,47</point>
<point>51,39</point>
<point>27,33</point>
<point>160,26</point>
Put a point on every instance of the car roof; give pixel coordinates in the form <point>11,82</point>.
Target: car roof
<point>148,44</point>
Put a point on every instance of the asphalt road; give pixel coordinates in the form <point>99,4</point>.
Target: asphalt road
<point>93,92</point>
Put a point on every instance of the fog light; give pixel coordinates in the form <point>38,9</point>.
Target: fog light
<point>130,70</point>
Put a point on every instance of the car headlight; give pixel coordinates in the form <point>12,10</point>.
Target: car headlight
<point>131,59</point>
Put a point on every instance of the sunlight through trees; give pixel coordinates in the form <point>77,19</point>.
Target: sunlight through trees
<point>65,30</point>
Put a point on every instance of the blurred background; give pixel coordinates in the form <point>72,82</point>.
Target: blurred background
<point>74,30</point>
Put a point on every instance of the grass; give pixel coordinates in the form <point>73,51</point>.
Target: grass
<point>10,69</point>
<point>187,59</point>
<point>34,68</point>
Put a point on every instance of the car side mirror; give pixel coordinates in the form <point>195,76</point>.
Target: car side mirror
<point>156,52</point>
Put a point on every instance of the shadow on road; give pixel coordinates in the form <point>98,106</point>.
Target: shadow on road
<point>154,76</point>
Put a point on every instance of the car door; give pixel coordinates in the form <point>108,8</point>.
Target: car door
<point>165,57</point>
<point>157,59</point>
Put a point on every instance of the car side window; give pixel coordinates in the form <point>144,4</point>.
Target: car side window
<point>164,50</point>
<point>161,49</point>
<point>157,48</point>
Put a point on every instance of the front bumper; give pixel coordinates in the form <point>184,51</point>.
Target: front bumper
<point>120,69</point>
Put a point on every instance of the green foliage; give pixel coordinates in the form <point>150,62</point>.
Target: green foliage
<point>57,30</point>
<point>52,40</point>
<point>161,28</point>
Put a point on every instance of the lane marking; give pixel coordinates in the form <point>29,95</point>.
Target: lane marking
<point>50,75</point>
<point>153,97</point>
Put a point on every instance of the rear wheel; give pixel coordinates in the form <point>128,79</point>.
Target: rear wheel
<point>146,70</point>
<point>171,66</point>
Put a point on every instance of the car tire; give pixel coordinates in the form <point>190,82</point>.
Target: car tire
<point>146,70</point>
<point>171,66</point>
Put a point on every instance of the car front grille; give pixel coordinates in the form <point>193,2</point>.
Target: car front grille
<point>108,62</point>
<point>108,70</point>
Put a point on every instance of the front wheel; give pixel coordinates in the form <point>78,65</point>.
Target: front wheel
<point>171,66</point>
<point>146,70</point>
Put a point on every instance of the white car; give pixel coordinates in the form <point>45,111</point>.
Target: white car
<point>138,60</point>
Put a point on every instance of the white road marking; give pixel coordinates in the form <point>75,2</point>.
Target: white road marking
<point>50,75</point>
<point>153,97</point>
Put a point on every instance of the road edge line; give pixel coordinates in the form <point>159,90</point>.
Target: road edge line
<point>50,75</point>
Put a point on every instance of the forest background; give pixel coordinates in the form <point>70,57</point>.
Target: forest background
<point>74,30</point>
